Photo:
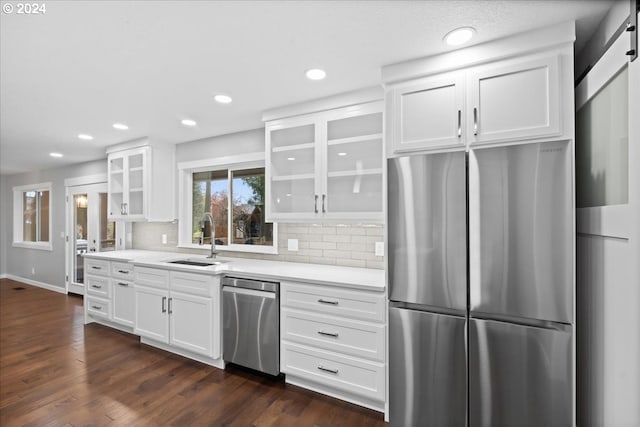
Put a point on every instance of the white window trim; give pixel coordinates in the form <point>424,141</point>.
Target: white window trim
<point>18,212</point>
<point>185,197</point>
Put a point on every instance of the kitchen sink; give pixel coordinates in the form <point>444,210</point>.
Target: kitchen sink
<point>197,263</point>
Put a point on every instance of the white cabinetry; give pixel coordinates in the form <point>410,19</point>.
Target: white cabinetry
<point>109,294</point>
<point>326,165</point>
<point>141,183</point>
<point>427,113</point>
<point>513,100</point>
<point>503,101</point>
<point>333,341</point>
<point>179,309</point>
<point>123,296</point>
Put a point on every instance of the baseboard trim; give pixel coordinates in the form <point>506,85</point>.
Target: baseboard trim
<point>3,276</point>
<point>42,285</point>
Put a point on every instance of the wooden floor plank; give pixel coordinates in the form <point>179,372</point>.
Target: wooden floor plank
<point>55,371</point>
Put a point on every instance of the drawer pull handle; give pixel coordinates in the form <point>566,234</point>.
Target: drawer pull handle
<point>97,286</point>
<point>97,307</point>
<point>326,301</point>
<point>164,299</point>
<point>328,334</point>
<point>123,284</point>
<point>95,267</point>
<point>123,271</point>
<point>331,371</point>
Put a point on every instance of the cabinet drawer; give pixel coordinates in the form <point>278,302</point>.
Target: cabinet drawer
<point>198,284</point>
<point>334,301</point>
<point>361,339</point>
<point>98,307</point>
<point>122,270</point>
<point>98,286</point>
<point>96,266</point>
<point>352,375</point>
<point>154,277</point>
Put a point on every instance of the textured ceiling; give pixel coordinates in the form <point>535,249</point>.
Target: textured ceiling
<point>85,65</point>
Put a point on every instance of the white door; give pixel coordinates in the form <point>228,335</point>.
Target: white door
<point>608,234</point>
<point>152,313</point>
<point>191,320</point>
<point>88,230</point>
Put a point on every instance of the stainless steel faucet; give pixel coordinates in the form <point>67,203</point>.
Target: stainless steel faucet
<point>208,217</point>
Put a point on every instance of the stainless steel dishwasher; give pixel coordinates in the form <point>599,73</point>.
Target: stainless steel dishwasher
<point>251,324</point>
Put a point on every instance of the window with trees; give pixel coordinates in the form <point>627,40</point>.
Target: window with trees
<point>235,199</point>
<point>32,216</point>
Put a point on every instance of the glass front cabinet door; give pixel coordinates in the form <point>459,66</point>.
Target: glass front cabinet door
<point>326,165</point>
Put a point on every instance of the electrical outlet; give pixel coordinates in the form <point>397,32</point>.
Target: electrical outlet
<point>33,270</point>
<point>379,249</point>
<point>292,244</point>
<point>164,239</point>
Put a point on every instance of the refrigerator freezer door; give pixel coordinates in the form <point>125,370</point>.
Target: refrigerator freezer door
<point>427,369</point>
<point>427,230</point>
<point>519,376</point>
<point>521,231</point>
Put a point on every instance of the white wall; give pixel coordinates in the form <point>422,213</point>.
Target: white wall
<point>5,223</point>
<point>49,265</point>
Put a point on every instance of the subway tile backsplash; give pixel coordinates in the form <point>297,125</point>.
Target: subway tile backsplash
<point>346,245</point>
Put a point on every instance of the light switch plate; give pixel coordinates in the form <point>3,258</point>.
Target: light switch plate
<point>164,239</point>
<point>292,244</point>
<point>379,249</point>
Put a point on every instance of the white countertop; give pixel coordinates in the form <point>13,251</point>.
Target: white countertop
<point>361,278</point>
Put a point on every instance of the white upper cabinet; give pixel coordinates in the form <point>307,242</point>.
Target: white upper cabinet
<point>427,113</point>
<point>513,100</point>
<point>512,90</point>
<point>326,165</point>
<point>128,184</point>
<point>293,165</point>
<point>141,183</point>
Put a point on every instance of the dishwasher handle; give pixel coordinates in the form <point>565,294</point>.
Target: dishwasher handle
<point>258,285</point>
<point>250,292</point>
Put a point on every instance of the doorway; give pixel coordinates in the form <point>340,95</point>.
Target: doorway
<point>88,230</point>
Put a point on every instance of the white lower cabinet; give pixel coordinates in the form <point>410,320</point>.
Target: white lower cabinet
<point>189,321</point>
<point>333,341</point>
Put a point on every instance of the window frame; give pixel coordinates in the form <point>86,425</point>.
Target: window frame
<point>18,216</point>
<point>185,198</point>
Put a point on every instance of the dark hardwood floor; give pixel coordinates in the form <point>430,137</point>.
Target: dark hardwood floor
<point>55,371</point>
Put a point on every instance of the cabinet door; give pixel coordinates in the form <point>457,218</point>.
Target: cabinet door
<point>116,185</point>
<point>136,188</point>
<point>127,176</point>
<point>191,320</point>
<point>513,100</point>
<point>151,313</point>
<point>292,166</point>
<point>352,158</point>
<point>427,114</point>
<point>124,302</point>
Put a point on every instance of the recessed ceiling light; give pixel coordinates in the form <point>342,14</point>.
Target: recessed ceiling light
<point>291,158</point>
<point>85,137</point>
<point>223,99</point>
<point>459,36</point>
<point>120,126</point>
<point>188,122</point>
<point>315,74</point>
<point>342,154</point>
<point>55,154</point>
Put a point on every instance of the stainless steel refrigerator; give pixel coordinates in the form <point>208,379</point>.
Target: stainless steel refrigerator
<point>481,287</point>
